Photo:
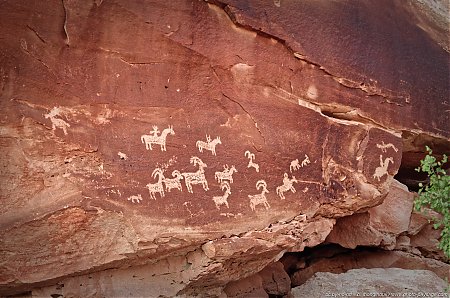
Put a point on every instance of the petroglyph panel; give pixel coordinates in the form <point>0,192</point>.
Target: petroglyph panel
<point>57,122</point>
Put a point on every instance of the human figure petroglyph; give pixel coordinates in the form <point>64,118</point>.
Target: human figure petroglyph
<point>288,184</point>
<point>148,140</point>
<point>174,182</point>
<point>251,164</point>
<point>384,146</point>
<point>226,174</point>
<point>196,177</point>
<point>259,199</point>
<point>158,186</point>
<point>56,122</point>
<point>295,165</point>
<point>208,145</point>
<point>382,169</point>
<point>223,200</point>
<point>135,199</point>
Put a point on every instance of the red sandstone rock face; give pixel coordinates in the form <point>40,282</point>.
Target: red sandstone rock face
<point>137,132</point>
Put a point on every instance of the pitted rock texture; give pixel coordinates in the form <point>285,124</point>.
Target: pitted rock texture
<point>140,133</point>
<point>378,281</point>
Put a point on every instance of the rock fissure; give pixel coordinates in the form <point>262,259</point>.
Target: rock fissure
<point>342,81</point>
<point>36,33</point>
<point>248,114</point>
<point>64,28</point>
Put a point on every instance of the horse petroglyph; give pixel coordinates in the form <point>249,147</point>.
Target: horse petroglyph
<point>223,200</point>
<point>175,182</point>
<point>57,122</point>
<point>251,164</point>
<point>259,199</point>
<point>384,146</point>
<point>156,139</point>
<point>135,199</point>
<point>287,185</point>
<point>382,169</point>
<point>226,174</point>
<point>295,165</point>
<point>156,187</point>
<point>208,145</point>
<point>196,177</point>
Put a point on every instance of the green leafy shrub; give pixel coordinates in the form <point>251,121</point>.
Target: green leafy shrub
<point>436,195</point>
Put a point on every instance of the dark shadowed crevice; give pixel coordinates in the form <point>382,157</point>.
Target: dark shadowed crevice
<point>413,152</point>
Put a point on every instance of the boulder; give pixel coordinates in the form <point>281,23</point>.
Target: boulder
<point>368,282</point>
<point>380,225</point>
<point>341,261</point>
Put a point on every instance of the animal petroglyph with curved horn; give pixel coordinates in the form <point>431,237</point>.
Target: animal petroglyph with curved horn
<point>153,188</point>
<point>197,177</point>
<point>259,199</point>
<point>174,182</point>
<point>223,200</point>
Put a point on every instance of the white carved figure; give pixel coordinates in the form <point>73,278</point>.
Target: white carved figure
<point>208,145</point>
<point>226,174</point>
<point>305,162</point>
<point>287,185</point>
<point>135,199</point>
<point>174,182</point>
<point>158,186</point>
<point>148,140</point>
<point>384,146</point>
<point>122,155</point>
<point>56,122</point>
<point>251,164</point>
<point>382,169</point>
<point>259,199</point>
<point>223,200</point>
<point>196,177</point>
<point>295,165</point>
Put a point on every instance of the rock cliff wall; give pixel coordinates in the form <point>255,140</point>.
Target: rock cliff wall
<point>198,141</point>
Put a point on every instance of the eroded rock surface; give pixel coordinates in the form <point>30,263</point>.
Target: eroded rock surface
<point>199,140</point>
<point>357,282</point>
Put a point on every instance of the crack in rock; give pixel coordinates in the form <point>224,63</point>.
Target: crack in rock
<point>251,117</point>
<point>370,91</point>
<point>66,34</point>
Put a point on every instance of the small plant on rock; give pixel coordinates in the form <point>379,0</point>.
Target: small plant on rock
<point>436,195</point>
